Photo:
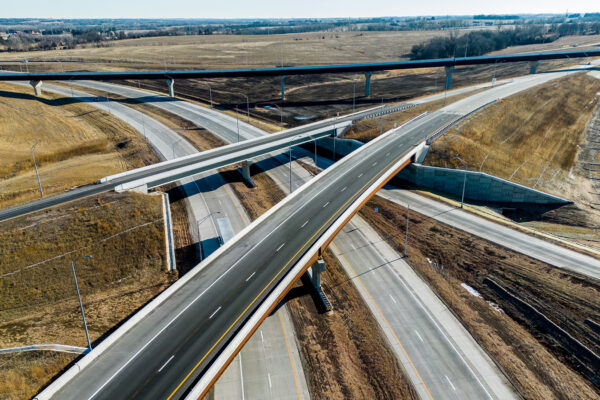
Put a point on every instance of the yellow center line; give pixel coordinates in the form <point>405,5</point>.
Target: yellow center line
<point>381,171</point>
<point>384,318</point>
<point>290,355</point>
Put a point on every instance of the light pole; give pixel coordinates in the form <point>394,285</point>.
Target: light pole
<point>36,169</point>
<point>174,144</point>
<point>280,116</point>
<point>199,222</point>
<point>462,201</point>
<point>209,94</point>
<point>291,140</point>
<point>354,98</point>
<point>237,121</point>
<point>87,335</point>
<point>406,237</point>
<point>247,107</point>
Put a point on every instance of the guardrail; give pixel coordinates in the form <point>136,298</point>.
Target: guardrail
<point>444,129</point>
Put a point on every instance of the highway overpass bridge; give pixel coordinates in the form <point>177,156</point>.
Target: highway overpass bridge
<point>193,330</point>
<point>170,171</point>
<point>449,64</point>
<point>178,345</point>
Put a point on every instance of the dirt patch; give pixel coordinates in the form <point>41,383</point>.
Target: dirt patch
<point>446,258</point>
<point>124,234</point>
<point>345,355</point>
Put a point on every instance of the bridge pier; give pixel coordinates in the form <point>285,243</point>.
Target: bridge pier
<point>171,85</point>
<point>37,87</point>
<point>533,66</point>
<point>282,87</point>
<point>315,278</point>
<point>368,83</point>
<point>245,170</point>
<point>449,76</point>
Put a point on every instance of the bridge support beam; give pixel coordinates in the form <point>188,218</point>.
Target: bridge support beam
<point>368,83</point>
<point>282,87</point>
<point>449,76</point>
<point>171,85</point>
<point>533,66</point>
<point>37,87</point>
<point>245,170</point>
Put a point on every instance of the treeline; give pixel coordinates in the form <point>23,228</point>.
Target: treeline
<point>477,43</point>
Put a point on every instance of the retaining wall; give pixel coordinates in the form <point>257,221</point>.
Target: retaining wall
<point>479,186</point>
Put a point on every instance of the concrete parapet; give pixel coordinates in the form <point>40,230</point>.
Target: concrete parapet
<point>479,186</point>
<point>169,238</point>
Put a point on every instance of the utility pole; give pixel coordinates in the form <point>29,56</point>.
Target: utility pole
<point>36,169</point>
<point>406,237</point>
<point>87,335</point>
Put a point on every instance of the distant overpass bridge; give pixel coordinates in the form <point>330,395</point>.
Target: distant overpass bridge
<point>367,68</point>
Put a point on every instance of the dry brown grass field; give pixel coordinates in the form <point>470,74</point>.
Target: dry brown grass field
<point>77,144</point>
<point>446,257</point>
<point>533,138</point>
<point>125,236</point>
<point>229,51</point>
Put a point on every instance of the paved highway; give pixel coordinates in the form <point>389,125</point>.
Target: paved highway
<point>277,371</point>
<point>269,245</point>
<point>513,239</point>
<point>166,352</point>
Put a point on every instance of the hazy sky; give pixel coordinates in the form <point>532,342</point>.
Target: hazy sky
<point>281,8</point>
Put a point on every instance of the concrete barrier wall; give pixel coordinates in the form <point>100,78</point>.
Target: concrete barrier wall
<point>479,186</point>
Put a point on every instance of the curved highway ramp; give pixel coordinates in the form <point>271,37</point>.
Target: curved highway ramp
<point>188,335</point>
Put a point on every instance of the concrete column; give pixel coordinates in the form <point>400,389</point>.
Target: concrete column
<point>37,87</point>
<point>317,268</point>
<point>282,87</point>
<point>245,169</point>
<point>368,84</point>
<point>449,76</point>
<point>171,85</point>
<point>533,66</point>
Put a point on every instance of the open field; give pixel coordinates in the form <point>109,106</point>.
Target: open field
<point>229,51</point>
<point>534,138</point>
<point>123,233</point>
<point>446,258</point>
<point>77,144</point>
<point>345,355</point>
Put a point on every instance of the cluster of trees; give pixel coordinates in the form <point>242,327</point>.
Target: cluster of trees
<point>477,43</point>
